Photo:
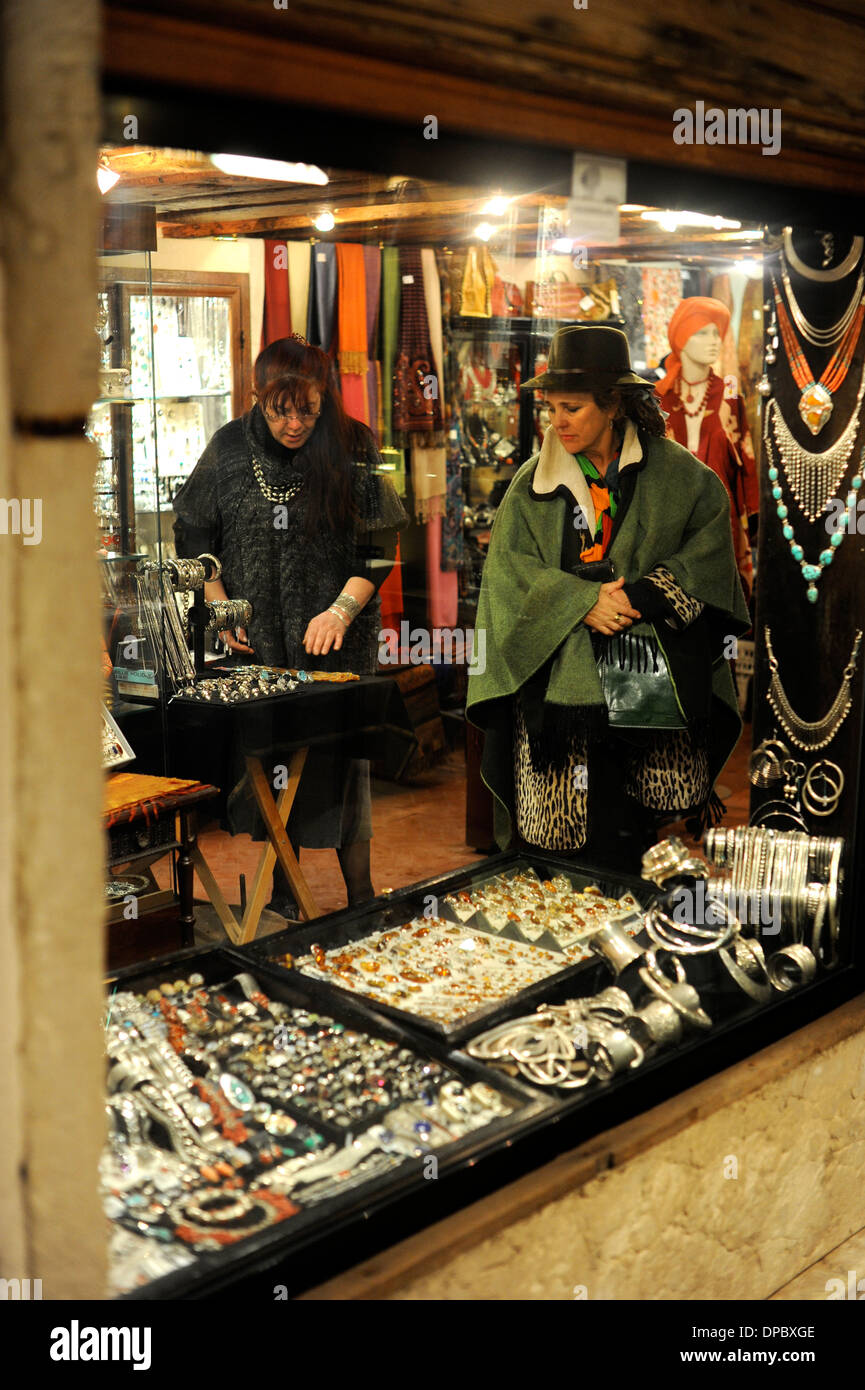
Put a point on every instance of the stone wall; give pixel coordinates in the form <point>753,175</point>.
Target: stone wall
<point>51,850</point>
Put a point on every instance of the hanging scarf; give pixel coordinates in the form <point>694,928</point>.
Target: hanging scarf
<point>352,310</point>
<point>321,310</point>
<point>390,304</point>
<point>372,263</point>
<point>276,322</point>
<point>299,267</point>
<point>417,411</point>
<point>429,468</point>
<point>453,541</point>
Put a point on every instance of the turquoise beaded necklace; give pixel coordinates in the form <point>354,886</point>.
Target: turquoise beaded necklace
<point>811,572</point>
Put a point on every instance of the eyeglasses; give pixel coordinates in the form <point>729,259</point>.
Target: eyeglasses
<point>273,415</point>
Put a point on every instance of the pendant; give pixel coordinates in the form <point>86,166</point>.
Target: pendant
<point>234,1090</point>
<point>764,385</point>
<point>815,406</point>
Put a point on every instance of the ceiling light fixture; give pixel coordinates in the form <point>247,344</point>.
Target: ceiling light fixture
<point>671,220</point>
<point>273,170</point>
<point>485,230</point>
<point>325,222</point>
<point>105,176</point>
<point>497,206</point>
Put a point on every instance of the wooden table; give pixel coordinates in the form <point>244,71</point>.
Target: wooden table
<point>358,718</point>
<point>145,818</point>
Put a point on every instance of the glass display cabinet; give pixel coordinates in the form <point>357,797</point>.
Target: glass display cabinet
<point>174,369</point>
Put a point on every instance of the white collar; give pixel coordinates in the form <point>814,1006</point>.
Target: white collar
<point>557,468</point>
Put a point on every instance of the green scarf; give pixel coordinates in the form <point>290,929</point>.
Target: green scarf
<point>530,611</point>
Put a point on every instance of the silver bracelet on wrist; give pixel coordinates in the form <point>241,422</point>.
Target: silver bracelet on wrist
<point>350,606</point>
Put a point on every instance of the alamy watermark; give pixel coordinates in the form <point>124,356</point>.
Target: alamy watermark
<point>853,1289</point>
<point>21,516</point>
<point>419,646</point>
<point>20,1290</point>
<point>735,126</point>
<point>760,909</point>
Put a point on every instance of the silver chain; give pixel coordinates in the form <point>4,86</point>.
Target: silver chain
<point>807,735</point>
<point>821,337</point>
<point>271,493</point>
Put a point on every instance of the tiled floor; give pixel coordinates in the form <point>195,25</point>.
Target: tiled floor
<point>419,832</point>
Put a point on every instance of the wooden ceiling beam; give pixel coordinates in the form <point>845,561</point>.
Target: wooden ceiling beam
<point>624,111</point>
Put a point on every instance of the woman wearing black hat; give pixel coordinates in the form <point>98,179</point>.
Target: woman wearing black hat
<point>609,598</point>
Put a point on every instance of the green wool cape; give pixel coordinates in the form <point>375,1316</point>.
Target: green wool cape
<point>531,611</point>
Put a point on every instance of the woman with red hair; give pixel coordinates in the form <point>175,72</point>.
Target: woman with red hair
<point>707,415</point>
<point>289,500</point>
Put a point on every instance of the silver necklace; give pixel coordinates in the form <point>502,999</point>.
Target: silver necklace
<point>271,493</point>
<point>813,478</point>
<point>810,272</point>
<point>821,337</point>
<point>805,734</point>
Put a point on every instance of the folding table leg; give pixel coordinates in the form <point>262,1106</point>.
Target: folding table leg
<point>275,815</point>
<point>214,892</point>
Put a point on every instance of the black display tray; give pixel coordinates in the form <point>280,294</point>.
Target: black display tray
<point>353,924</point>
<point>284,1243</point>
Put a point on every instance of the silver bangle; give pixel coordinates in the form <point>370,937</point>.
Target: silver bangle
<point>690,940</point>
<point>350,604</point>
<point>737,968</point>
<point>215,562</point>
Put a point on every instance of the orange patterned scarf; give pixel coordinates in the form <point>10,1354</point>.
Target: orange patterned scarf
<point>352,309</point>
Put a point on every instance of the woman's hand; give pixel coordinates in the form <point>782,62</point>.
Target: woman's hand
<point>235,641</point>
<point>612,613</point>
<point>324,632</point>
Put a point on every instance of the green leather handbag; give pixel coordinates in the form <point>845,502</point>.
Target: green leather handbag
<point>636,681</point>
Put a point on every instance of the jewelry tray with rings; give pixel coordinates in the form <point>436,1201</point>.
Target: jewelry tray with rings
<point>339,1117</point>
<point>452,955</point>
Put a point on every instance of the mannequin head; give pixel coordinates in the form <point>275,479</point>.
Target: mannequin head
<point>696,331</point>
<point>702,349</point>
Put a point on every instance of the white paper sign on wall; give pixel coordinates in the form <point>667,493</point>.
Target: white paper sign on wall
<point>598,186</point>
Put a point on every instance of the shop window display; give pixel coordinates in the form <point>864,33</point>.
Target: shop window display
<point>537,982</point>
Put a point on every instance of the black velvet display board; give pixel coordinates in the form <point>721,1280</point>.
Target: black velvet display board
<point>208,741</point>
<point>812,641</point>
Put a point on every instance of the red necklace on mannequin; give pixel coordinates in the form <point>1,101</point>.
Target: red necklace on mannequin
<point>682,384</point>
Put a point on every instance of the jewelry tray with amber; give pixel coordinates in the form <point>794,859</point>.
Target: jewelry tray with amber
<point>457,953</point>
<point>345,1111</point>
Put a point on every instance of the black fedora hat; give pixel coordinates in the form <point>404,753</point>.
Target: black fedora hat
<point>586,359</point>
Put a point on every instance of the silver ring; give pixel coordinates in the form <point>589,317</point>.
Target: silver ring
<point>792,967</point>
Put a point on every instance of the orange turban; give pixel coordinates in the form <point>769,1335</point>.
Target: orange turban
<point>689,316</point>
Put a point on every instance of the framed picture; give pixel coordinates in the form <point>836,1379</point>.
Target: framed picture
<point>116,749</point>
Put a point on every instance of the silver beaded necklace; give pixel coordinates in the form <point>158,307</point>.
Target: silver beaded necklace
<point>271,493</point>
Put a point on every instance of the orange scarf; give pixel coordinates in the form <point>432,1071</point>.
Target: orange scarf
<point>352,310</point>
